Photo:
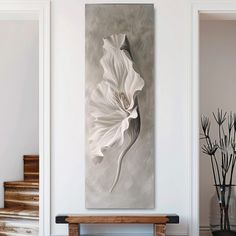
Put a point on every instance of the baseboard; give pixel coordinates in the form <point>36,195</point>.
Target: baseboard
<point>118,234</point>
<point>205,231</point>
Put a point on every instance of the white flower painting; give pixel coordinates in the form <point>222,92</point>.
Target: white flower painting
<point>119,62</point>
<point>114,103</point>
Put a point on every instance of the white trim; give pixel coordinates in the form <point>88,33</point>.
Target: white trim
<point>197,8</point>
<point>194,138</point>
<point>205,228</point>
<point>41,9</point>
<point>44,124</point>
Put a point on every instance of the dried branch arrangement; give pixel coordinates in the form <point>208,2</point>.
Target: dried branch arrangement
<point>222,153</point>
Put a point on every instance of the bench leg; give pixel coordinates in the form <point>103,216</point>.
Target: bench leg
<point>74,229</point>
<point>159,229</point>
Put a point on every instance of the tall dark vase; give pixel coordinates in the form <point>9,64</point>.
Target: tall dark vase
<point>223,212</point>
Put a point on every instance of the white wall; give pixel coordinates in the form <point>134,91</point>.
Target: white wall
<point>18,97</point>
<point>68,118</point>
<point>217,90</point>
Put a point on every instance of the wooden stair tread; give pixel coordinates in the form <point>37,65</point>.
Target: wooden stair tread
<point>22,184</point>
<point>21,194</point>
<point>13,234</point>
<point>20,215</point>
<point>19,202</point>
<point>19,211</point>
<point>18,226</point>
<point>31,157</point>
<point>31,173</point>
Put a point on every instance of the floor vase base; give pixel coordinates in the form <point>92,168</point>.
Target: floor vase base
<point>224,233</point>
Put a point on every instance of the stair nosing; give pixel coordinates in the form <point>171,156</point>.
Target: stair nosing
<point>32,156</point>
<point>22,184</point>
<point>23,217</point>
<point>31,173</point>
<point>18,211</point>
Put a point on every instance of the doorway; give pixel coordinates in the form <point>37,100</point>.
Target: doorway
<point>213,11</point>
<point>38,13</point>
<point>217,76</point>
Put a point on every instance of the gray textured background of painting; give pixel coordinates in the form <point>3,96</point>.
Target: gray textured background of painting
<point>135,188</point>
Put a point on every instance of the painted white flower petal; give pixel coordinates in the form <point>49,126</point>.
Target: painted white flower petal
<point>114,42</point>
<point>119,68</point>
<point>115,68</point>
<point>113,103</point>
<point>110,133</point>
<point>102,100</point>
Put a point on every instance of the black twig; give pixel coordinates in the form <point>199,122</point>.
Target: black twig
<point>223,158</point>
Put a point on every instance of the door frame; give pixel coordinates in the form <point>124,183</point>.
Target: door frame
<point>38,10</point>
<point>198,7</point>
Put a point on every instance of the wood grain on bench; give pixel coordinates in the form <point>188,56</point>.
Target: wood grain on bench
<point>159,221</point>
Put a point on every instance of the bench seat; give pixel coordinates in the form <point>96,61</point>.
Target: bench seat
<point>159,221</point>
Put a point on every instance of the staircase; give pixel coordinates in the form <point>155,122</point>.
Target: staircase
<point>20,215</point>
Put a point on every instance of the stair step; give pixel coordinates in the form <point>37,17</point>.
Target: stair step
<point>15,226</point>
<point>20,217</point>
<point>21,194</point>
<point>31,173</point>
<point>31,167</point>
<point>31,157</point>
<point>22,184</point>
<point>31,176</point>
<point>19,212</point>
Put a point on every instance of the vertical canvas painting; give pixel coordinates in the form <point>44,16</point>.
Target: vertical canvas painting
<point>119,61</point>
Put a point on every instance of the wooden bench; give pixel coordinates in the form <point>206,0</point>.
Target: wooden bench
<point>159,221</point>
